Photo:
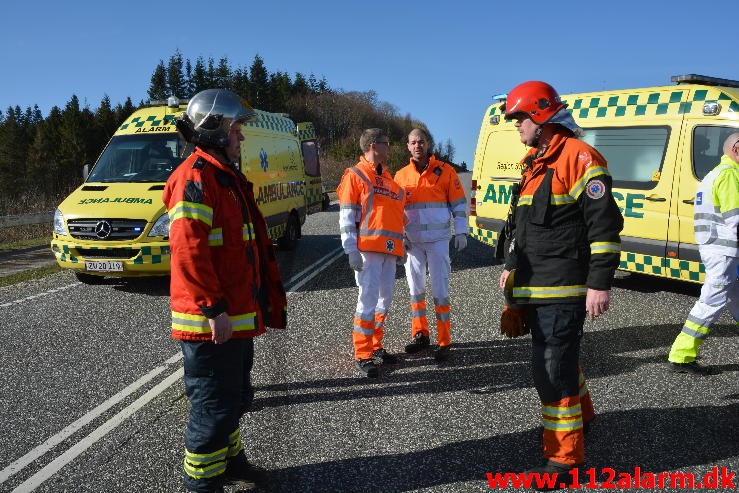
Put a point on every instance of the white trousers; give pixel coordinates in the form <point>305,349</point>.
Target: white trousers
<point>376,282</point>
<point>433,256</point>
<point>720,290</point>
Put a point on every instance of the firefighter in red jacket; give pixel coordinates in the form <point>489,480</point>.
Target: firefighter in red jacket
<point>371,226</point>
<point>563,242</point>
<point>225,287</point>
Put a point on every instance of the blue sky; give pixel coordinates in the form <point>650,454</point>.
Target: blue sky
<point>440,61</point>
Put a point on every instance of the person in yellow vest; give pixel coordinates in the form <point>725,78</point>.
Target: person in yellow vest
<point>371,225</point>
<point>716,224</point>
<point>434,202</point>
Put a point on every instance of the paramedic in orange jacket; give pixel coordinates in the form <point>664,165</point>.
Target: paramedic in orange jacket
<point>563,242</point>
<point>371,225</point>
<point>225,287</point>
<point>434,201</point>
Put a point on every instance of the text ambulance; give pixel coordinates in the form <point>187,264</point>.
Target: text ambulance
<point>659,143</point>
<point>115,223</point>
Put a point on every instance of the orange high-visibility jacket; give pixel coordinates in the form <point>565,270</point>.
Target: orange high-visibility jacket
<point>433,198</point>
<point>371,210</point>
<point>222,259</point>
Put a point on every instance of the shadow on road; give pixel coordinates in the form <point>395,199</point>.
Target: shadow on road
<point>618,440</point>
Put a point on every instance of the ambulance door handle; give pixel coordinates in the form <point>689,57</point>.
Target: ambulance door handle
<point>655,198</point>
<point>689,201</point>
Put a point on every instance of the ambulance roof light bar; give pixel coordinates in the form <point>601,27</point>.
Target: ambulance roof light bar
<point>704,79</point>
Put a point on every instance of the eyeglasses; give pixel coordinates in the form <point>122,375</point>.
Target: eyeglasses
<point>382,142</point>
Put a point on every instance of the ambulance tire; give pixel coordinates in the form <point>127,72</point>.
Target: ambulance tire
<point>89,278</point>
<point>292,233</point>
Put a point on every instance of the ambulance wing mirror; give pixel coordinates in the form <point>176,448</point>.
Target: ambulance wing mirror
<point>85,171</point>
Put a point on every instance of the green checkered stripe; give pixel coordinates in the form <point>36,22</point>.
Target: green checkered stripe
<point>306,131</point>
<point>147,255</point>
<point>149,121</point>
<point>644,104</point>
<point>272,122</point>
<point>313,194</point>
<point>662,266</point>
<point>484,235</point>
<point>276,232</point>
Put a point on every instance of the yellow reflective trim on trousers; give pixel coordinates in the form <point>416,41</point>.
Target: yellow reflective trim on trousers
<point>555,411</point>
<point>572,425</point>
<point>234,444</point>
<point>589,174</point>
<point>605,247</point>
<point>198,324</point>
<point>549,291</point>
<point>195,458</point>
<point>210,471</point>
<point>191,210</point>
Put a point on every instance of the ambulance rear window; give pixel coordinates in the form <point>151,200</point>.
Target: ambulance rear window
<point>634,154</point>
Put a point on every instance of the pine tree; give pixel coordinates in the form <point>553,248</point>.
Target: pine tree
<point>158,84</point>
<point>200,79</point>
<point>259,84</point>
<point>223,77</point>
<point>175,77</point>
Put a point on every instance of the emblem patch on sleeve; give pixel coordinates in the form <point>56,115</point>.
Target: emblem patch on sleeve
<point>390,245</point>
<point>595,189</point>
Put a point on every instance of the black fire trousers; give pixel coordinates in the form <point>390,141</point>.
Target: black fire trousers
<point>218,385</point>
<point>556,332</point>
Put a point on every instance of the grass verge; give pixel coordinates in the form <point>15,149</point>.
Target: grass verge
<point>25,236</point>
<point>29,275</point>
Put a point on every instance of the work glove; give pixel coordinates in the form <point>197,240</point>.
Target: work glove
<point>512,322</point>
<point>460,242</point>
<point>402,260</point>
<point>355,261</point>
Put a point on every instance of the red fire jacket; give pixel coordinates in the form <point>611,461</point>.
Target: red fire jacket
<point>222,259</point>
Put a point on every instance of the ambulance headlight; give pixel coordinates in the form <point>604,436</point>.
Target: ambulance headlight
<point>59,227</point>
<point>161,227</point>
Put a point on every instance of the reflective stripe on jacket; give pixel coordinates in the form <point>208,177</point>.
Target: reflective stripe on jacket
<point>716,216</point>
<point>221,257</point>
<point>371,210</point>
<point>566,225</point>
<point>433,198</point>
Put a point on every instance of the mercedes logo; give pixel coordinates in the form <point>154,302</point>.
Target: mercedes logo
<point>103,229</point>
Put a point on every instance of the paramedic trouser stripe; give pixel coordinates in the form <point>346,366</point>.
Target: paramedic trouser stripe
<point>432,257</point>
<point>376,282</point>
<point>719,290</point>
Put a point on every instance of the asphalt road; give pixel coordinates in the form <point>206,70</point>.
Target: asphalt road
<point>92,398</point>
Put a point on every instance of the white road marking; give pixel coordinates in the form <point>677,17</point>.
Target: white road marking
<point>39,295</point>
<point>78,448</point>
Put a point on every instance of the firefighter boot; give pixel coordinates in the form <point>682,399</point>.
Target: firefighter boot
<point>563,478</point>
<point>239,470</point>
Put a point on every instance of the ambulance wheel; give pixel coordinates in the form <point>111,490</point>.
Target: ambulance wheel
<point>292,233</point>
<point>89,279</point>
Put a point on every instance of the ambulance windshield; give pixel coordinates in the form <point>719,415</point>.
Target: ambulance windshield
<point>139,158</point>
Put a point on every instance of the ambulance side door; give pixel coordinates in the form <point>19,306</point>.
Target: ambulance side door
<point>639,159</point>
<point>701,151</point>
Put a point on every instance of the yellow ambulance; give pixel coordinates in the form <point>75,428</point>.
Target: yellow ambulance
<point>115,223</point>
<point>659,143</point>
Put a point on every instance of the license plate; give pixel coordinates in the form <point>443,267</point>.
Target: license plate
<point>104,266</point>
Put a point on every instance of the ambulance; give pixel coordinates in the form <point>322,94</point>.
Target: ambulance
<point>115,223</point>
<point>659,143</point>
